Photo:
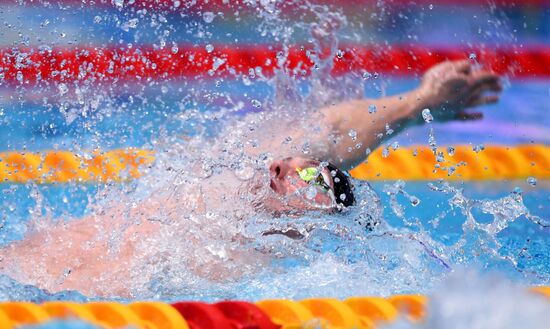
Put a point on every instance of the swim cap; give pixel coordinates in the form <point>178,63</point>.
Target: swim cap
<point>343,190</point>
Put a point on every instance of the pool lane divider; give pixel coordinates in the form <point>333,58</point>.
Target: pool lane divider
<point>27,66</point>
<point>457,163</point>
<point>461,162</point>
<point>325,313</point>
<point>64,166</point>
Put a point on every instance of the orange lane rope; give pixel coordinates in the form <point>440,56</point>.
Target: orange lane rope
<point>463,162</point>
<point>356,312</point>
<point>65,166</point>
<point>493,162</point>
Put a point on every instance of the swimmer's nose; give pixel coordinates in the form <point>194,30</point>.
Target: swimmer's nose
<point>278,169</point>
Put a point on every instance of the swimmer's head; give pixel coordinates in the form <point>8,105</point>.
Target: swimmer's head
<point>310,184</point>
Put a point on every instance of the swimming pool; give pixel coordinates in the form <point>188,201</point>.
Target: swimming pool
<point>431,230</point>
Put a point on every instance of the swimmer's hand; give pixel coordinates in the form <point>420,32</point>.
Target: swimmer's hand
<point>449,88</point>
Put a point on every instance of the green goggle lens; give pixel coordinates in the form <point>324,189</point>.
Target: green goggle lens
<point>312,173</point>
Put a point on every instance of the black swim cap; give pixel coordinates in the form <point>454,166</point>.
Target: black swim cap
<point>343,190</point>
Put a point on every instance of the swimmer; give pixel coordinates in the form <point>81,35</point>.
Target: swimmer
<point>118,247</point>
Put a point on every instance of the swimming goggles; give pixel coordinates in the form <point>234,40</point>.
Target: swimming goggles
<point>313,176</point>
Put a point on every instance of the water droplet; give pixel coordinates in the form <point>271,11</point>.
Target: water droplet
<point>209,48</point>
<point>431,139</point>
<point>427,115</point>
<point>131,24</point>
<point>208,16</point>
<point>450,150</point>
<point>19,76</point>
<point>372,108</point>
<point>217,63</point>
<point>414,201</point>
<point>473,56</point>
<point>451,170</point>
<point>532,181</point>
<point>311,192</point>
<point>175,49</point>
<point>256,103</point>
<point>340,53</point>
<point>479,148</point>
<point>353,134</point>
<point>342,197</point>
<point>367,75</point>
<point>118,3</point>
<point>385,152</point>
<point>389,131</point>
<point>367,151</point>
<point>63,89</point>
<point>431,6</point>
<point>306,148</point>
<point>395,145</point>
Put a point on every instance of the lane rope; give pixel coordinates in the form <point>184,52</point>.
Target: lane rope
<point>65,166</point>
<point>462,162</point>
<point>99,66</point>
<point>356,312</point>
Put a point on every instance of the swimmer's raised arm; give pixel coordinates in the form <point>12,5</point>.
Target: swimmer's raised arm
<point>447,89</point>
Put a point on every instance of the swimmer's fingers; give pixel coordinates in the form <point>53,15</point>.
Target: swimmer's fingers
<point>478,91</point>
<point>483,100</point>
<point>463,66</point>
<point>481,78</point>
<point>469,116</point>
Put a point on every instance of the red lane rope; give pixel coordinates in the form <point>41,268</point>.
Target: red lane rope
<point>26,66</point>
<point>234,4</point>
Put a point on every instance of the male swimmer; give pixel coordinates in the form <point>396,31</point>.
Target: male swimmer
<point>167,231</point>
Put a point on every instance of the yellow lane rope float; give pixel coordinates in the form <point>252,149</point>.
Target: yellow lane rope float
<point>65,166</point>
<point>68,310</point>
<point>463,162</point>
<point>159,315</point>
<point>323,313</point>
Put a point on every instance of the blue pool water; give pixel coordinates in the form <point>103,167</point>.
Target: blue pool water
<point>456,234</point>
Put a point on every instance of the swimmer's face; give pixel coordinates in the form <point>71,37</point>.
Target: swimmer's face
<point>303,183</point>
